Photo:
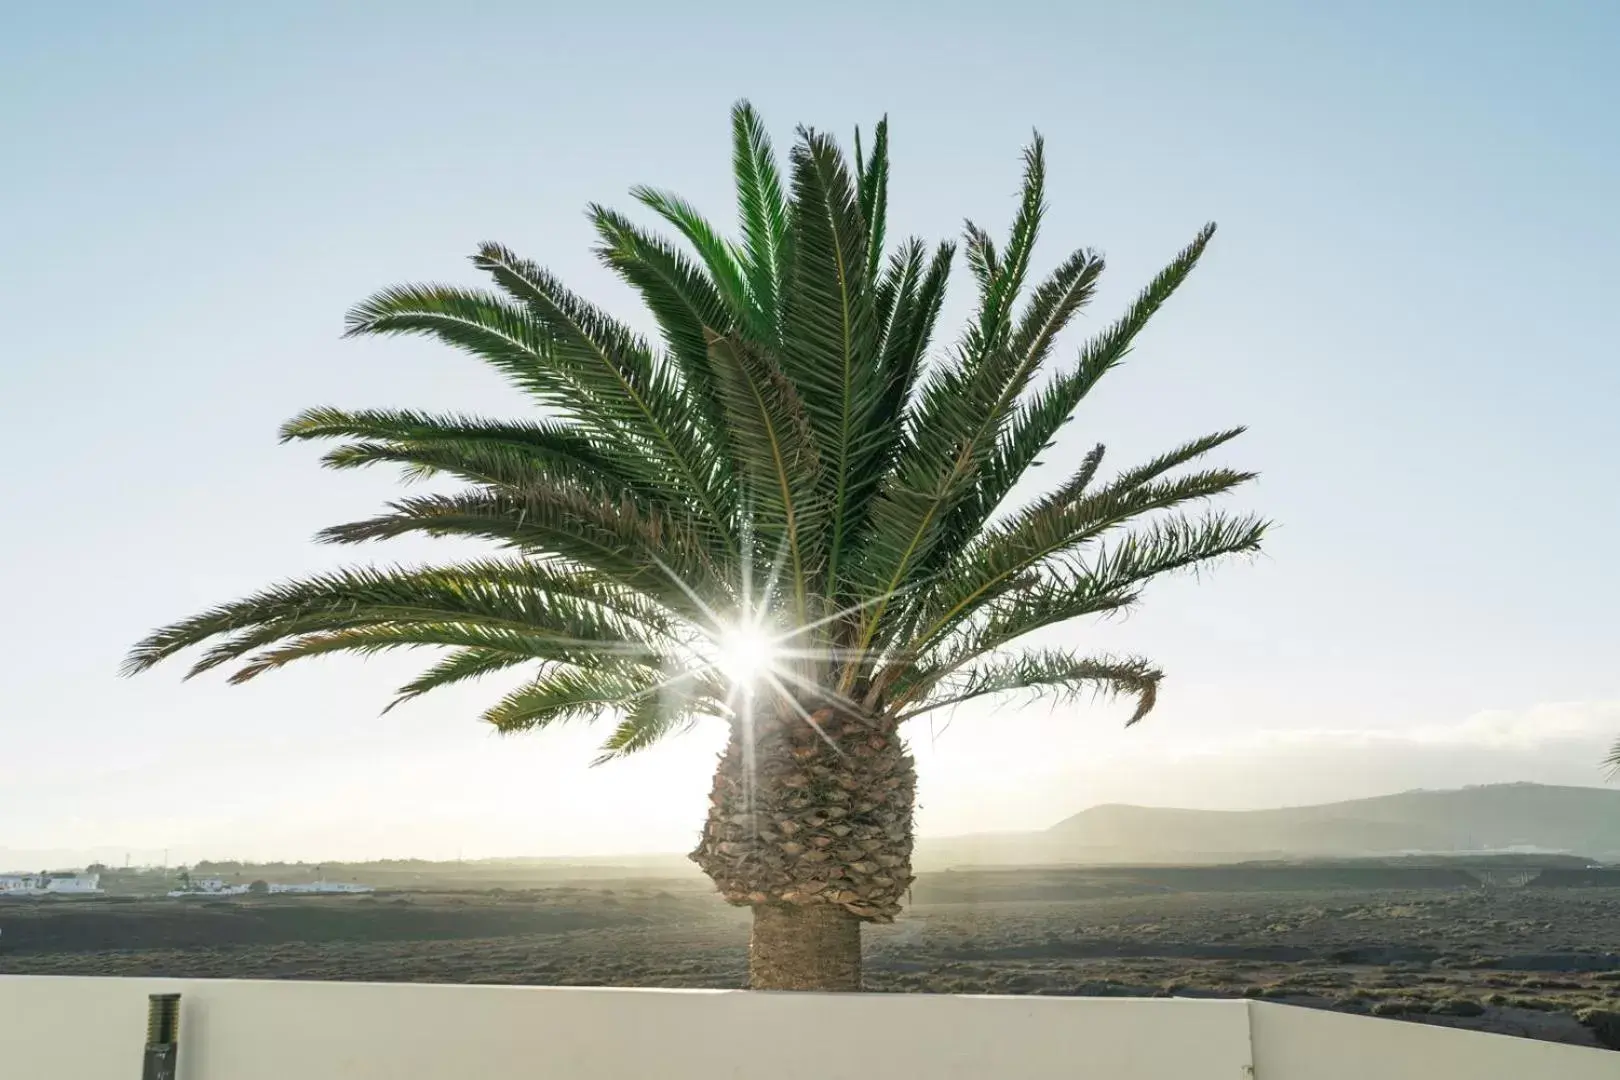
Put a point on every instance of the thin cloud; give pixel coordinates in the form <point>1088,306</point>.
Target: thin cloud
<point>1547,726</point>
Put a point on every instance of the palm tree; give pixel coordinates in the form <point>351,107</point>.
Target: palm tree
<point>777,515</point>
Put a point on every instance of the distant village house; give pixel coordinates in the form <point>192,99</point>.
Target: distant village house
<point>46,884</point>
<point>218,887</point>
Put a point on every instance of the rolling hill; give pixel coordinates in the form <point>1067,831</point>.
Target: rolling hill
<point>1497,817</point>
<point>1532,818</point>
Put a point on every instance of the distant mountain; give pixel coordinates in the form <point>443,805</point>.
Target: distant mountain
<point>1533,818</point>
<point>1497,817</point>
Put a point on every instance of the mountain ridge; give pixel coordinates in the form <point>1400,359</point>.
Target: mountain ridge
<point>1476,819</point>
<point>1511,785</point>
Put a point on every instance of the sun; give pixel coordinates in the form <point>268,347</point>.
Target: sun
<point>746,654</point>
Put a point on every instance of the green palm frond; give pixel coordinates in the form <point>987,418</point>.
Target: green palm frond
<point>783,452</point>
<point>775,449</point>
<point>1134,478</point>
<point>913,315</point>
<point>763,208</point>
<point>566,693</point>
<point>459,665</point>
<point>1037,603</point>
<point>872,180</point>
<point>1053,526</point>
<point>680,296</point>
<point>830,330</point>
<point>713,251</point>
<point>1049,673</point>
<point>1054,303</point>
<point>1108,578</point>
<point>588,651</point>
<point>1002,558</point>
<point>620,377</point>
<point>483,323</point>
<point>570,358</point>
<point>480,451</point>
<point>640,547</point>
<point>1173,543</point>
<point>959,417</point>
<point>892,297</point>
<point>487,600</point>
<point>1038,418</point>
<point>1003,278</point>
<point>406,425</point>
<point>1078,483</point>
<point>980,250</point>
<point>673,706</point>
<point>905,305</point>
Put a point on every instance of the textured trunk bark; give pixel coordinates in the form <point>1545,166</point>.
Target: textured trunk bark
<point>810,825</point>
<point>804,947</point>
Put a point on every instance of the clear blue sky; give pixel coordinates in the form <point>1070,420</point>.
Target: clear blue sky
<point>1411,302</point>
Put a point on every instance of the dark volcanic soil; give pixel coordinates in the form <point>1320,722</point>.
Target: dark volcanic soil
<point>1522,960</point>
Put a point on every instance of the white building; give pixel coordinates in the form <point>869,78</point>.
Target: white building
<point>43,884</point>
<point>322,887</point>
<point>74,883</point>
<point>210,886</point>
<point>20,885</point>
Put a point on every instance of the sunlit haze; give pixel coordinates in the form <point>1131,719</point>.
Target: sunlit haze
<point>1410,303</point>
<point>747,654</point>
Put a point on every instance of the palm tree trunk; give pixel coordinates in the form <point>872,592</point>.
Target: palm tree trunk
<point>804,947</point>
<point>810,826</point>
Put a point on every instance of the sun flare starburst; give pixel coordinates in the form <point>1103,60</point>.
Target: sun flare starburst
<point>747,654</point>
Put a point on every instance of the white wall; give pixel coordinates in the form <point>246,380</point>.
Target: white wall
<point>1315,1045</point>
<point>88,1029</point>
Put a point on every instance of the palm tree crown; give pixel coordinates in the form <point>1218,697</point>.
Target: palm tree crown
<point>782,506</point>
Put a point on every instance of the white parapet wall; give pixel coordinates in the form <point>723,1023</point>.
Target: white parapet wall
<point>93,1028</point>
<point>1292,1043</point>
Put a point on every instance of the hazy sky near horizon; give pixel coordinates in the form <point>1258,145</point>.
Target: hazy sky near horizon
<point>1411,302</point>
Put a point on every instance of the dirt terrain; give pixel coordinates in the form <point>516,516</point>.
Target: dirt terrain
<point>1496,951</point>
